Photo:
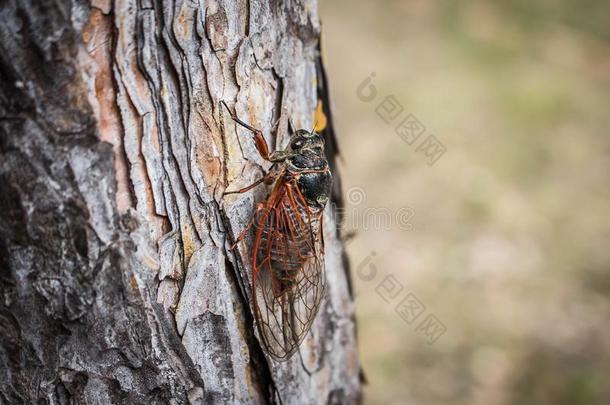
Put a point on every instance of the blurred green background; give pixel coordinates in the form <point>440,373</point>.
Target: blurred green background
<point>509,244</point>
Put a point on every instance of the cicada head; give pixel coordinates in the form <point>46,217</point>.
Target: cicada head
<point>305,140</point>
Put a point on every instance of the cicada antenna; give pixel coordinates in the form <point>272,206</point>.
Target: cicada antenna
<point>315,124</point>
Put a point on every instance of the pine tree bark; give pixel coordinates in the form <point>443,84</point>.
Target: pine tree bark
<point>117,282</point>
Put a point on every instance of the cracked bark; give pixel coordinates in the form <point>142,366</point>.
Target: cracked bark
<point>117,284</point>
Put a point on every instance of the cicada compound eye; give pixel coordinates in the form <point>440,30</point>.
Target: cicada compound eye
<point>297,143</point>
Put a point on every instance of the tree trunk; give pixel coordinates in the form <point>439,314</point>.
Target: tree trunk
<point>117,281</point>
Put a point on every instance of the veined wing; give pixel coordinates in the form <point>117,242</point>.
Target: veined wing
<point>288,270</point>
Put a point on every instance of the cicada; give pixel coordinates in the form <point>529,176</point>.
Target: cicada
<point>287,253</point>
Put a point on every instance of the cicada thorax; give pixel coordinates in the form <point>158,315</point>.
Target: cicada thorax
<point>312,174</point>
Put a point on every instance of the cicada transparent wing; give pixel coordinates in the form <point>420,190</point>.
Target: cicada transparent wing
<point>288,270</point>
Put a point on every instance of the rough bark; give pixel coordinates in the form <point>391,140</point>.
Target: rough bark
<point>117,284</point>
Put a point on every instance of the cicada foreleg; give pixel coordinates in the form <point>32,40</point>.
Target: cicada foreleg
<point>244,232</point>
<point>259,139</point>
<point>267,178</point>
<point>264,179</point>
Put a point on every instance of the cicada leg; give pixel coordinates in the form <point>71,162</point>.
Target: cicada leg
<point>259,139</point>
<point>266,178</point>
<point>244,232</point>
<point>247,188</point>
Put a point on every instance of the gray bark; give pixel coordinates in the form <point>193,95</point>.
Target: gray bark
<point>117,284</point>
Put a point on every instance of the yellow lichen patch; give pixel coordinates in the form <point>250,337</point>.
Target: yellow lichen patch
<point>233,166</point>
<point>319,118</point>
<point>185,22</point>
<point>233,150</point>
<point>133,283</point>
<point>207,156</point>
<point>150,262</point>
<point>187,241</point>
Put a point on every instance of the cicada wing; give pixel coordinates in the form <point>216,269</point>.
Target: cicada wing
<point>288,273</point>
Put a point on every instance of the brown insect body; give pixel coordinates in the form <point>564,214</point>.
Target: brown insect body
<point>288,278</point>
